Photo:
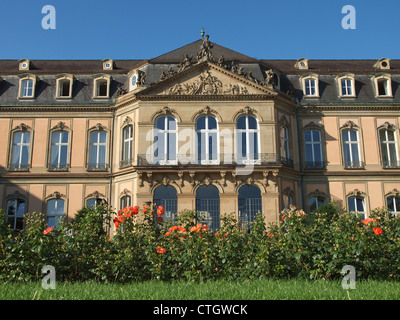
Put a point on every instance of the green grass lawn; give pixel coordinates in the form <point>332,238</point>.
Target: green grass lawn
<point>213,290</point>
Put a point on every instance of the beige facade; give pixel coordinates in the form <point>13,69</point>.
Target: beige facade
<point>273,134</point>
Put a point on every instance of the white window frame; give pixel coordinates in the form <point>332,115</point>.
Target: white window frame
<point>384,145</point>
<point>164,133</point>
<point>250,158</point>
<point>23,90</point>
<point>349,85</point>
<point>207,133</point>
<point>348,144</point>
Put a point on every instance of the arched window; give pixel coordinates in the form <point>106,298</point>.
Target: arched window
<point>247,140</point>
<point>356,204</point>
<point>98,150</point>
<point>125,201</point>
<point>207,140</point>
<point>165,140</point>
<point>20,150</point>
<point>387,138</point>
<point>127,140</point>
<point>393,204</point>
<point>249,204</point>
<point>166,196</point>
<point>207,205</point>
<point>315,202</point>
<point>284,144</point>
<point>351,149</point>
<point>55,211</point>
<point>313,149</point>
<point>59,150</point>
<point>15,212</point>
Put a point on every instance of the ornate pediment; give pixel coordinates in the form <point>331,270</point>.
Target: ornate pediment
<point>206,79</point>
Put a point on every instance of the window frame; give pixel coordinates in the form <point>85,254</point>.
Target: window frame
<point>351,164</point>
<point>315,164</point>
<point>310,77</point>
<point>391,163</point>
<point>351,78</point>
<point>250,157</point>
<point>56,196</point>
<point>208,134</point>
<point>97,79</point>
<point>95,166</point>
<point>60,79</point>
<point>388,81</point>
<point>22,79</point>
<point>125,162</point>
<point>26,166</point>
<point>164,133</point>
<point>16,197</point>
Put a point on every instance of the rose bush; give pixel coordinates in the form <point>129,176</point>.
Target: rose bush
<point>147,246</point>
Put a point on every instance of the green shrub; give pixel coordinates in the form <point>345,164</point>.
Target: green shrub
<point>144,247</point>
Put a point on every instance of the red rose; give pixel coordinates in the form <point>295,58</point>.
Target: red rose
<point>161,250</point>
<point>377,231</point>
<point>48,230</point>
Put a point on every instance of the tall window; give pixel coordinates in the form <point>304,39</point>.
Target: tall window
<point>247,139</point>
<point>55,212</point>
<point>310,87</point>
<point>347,87</point>
<point>207,140</point>
<point>313,148</point>
<point>351,149</point>
<point>15,213</point>
<point>393,204</point>
<point>165,140</point>
<point>20,151</point>
<point>27,87</point>
<point>127,140</point>
<point>166,196</point>
<point>126,201</point>
<point>249,204</point>
<point>207,205</point>
<point>315,202</point>
<point>383,87</point>
<point>357,205</point>
<point>388,143</point>
<point>98,150</point>
<point>59,150</point>
<point>284,143</point>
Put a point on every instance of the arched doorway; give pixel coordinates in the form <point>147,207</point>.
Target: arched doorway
<point>249,203</point>
<point>207,204</point>
<point>166,196</point>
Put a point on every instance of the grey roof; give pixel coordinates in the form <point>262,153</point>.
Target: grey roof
<point>83,70</point>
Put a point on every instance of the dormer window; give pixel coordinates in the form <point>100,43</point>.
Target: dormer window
<point>108,64</point>
<point>383,85</point>
<point>383,63</point>
<point>346,85</point>
<point>301,64</point>
<point>64,86</point>
<point>101,87</point>
<point>24,64</point>
<point>310,85</point>
<point>27,85</point>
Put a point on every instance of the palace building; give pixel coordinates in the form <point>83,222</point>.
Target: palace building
<point>201,127</point>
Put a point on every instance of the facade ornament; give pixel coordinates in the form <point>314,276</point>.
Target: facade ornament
<point>22,127</point>
<point>205,50</point>
<point>349,125</point>
<point>150,176</point>
<point>56,195</point>
<point>125,192</point>
<point>140,179</point>
<point>96,195</point>
<point>387,126</point>
<point>180,176</point>
<point>165,181</point>
<point>356,193</point>
<point>98,127</point>
<point>393,193</point>
<point>141,81</point>
<point>120,91</point>
<point>223,177</point>
<point>234,175</point>
<point>127,120</point>
<point>192,175</point>
<point>249,181</point>
<point>207,180</point>
<point>186,63</point>
<point>59,126</point>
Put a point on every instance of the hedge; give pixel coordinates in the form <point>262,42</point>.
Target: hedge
<point>144,247</point>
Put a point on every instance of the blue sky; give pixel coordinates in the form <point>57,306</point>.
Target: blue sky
<point>263,29</point>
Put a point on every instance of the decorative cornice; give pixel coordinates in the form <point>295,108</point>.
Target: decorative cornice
<point>356,193</point>
<point>349,125</point>
<point>55,195</point>
<point>166,111</point>
<point>393,193</point>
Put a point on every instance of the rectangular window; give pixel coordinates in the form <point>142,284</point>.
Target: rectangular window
<point>310,87</point>
<point>102,88</point>
<point>127,139</point>
<point>27,88</point>
<point>59,150</point>
<point>15,213</point>
<point>64,88</point>
<point>313,149</point>
<point>20,151</point>
<point>347,88</point>
<point>357,205</point>
<point>351,149</point>
<point>98,150</point>
<point>393,205</point>
<point>55,212</point>
<point>389,149</point>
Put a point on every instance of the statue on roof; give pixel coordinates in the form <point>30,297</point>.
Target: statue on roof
<point>205,50</point>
